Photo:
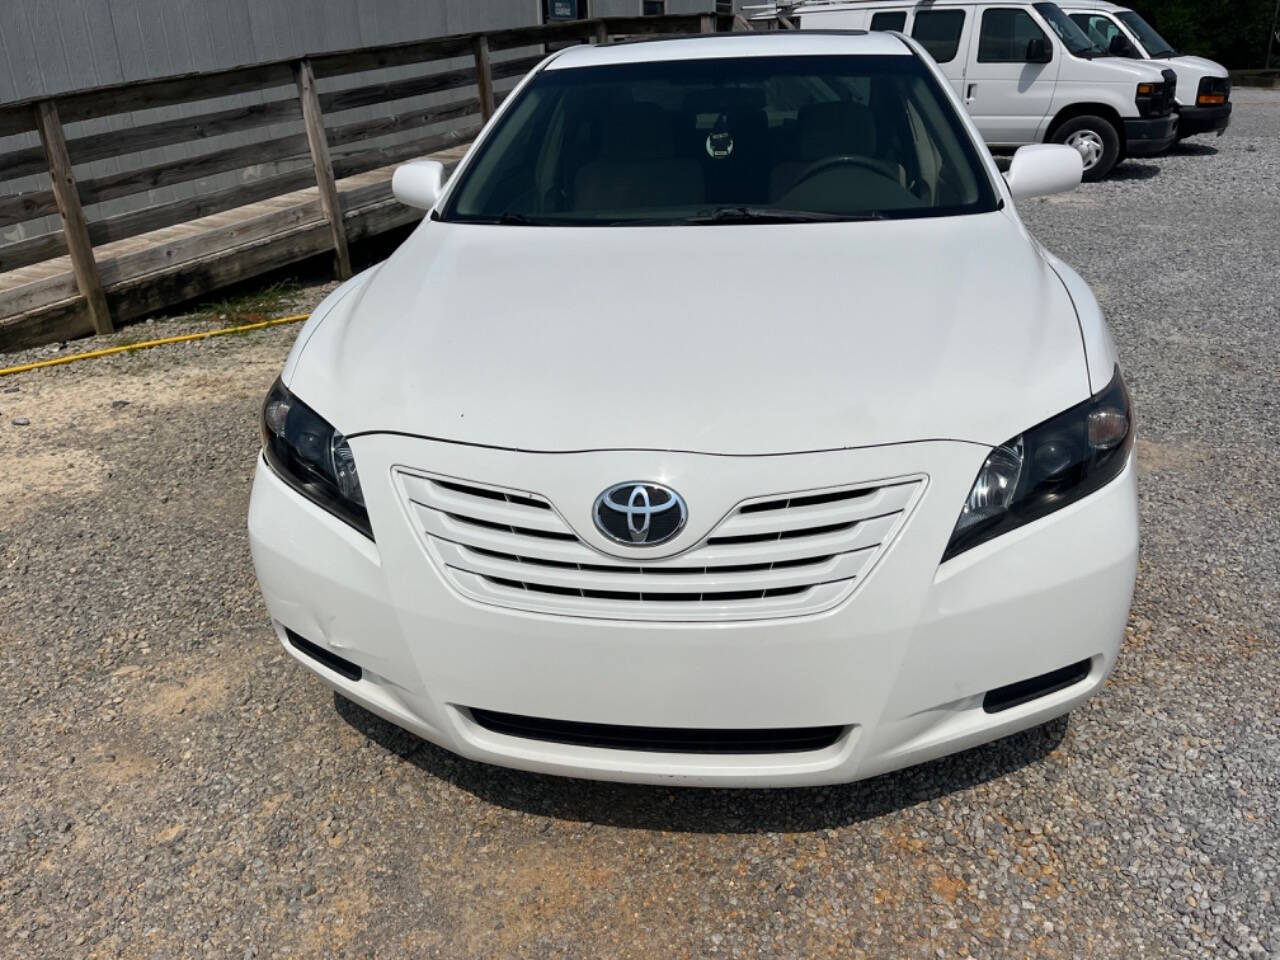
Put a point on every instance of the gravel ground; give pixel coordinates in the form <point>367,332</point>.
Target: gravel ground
<point>172,786</point>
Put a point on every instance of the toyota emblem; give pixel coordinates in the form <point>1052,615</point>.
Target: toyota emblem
<point>640,514</point>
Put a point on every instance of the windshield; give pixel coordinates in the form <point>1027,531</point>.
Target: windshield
<point>1158,48</point>
<point>1073,38</point>
<point>769,139</point>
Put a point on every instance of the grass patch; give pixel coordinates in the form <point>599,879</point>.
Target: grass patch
<point>252,307</point>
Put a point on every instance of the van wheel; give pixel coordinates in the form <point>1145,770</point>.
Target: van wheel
<point>1096,139</point>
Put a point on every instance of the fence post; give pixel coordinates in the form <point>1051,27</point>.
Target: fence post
<point>74,226</point>
<point>484,77</point>
<point>330,205</point>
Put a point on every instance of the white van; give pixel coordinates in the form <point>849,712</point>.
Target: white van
<point>1027,73</point>
<point>1204,87</point>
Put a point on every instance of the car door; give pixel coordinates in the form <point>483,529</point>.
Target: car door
<point>1008,85</point>
<point>943,34</point>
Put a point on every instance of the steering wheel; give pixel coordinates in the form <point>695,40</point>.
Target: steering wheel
<point>844,160</point>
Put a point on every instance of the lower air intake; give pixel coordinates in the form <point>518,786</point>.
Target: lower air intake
<point>1024,691</point>
<point>330,659</point>
<point>659,739</point>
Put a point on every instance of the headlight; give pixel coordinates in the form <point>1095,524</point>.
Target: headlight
<point>312,457</point>
<point>1151,100</point>
<point>1046,468</point>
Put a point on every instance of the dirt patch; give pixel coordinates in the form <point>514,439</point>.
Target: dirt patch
<point>32,477</point>
<point>196,697</point>
<point>1161,457</point>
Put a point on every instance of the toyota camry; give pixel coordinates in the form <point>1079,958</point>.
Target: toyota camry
<point>720,424</point>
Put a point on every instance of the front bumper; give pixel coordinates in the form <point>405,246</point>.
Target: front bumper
<point>1196,120</point>
<point>902,665</point>
<point>1147,137</point>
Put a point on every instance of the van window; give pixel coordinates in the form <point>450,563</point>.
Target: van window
<point>889,20</point>
<point>1100,30</point>
<point>1005,35</point>
<point>938,31</point>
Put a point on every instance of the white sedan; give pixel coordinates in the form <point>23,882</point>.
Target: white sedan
<point>721,424</point>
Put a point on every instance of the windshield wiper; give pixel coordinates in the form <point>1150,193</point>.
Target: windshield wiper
<point>770,215</point>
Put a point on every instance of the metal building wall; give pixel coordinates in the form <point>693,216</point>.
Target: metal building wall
<point>54,46</point>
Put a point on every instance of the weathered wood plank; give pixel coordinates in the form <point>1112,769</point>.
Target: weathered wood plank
<point>396,55</point>
<point>358,162</point>
<point>379,218</point>
<point>163,92</point>
<point>364,96</point>
<point>559,32</point>
<point>74,227</point>
<point>185,242</point>
<point>141,295</point>
<point>116,143</point>
<point>32,250</point>
<point>17,207</point>
<point>313,120</point>
<point>484,77</point>
<point>408,120</point>
<point>124,184</point>
<point>37,203</point>
<point>63,321</point>
<point>16,119</point>
<point>166,214</point>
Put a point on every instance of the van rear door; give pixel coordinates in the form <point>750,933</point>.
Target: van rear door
<point>1008,83</point>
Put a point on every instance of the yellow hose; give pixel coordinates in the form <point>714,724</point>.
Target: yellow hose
<point>56,361</point>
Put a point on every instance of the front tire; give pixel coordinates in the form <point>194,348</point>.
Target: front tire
<point>1097,140</point>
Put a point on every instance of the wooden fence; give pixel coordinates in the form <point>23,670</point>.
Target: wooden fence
<point>95,273</point>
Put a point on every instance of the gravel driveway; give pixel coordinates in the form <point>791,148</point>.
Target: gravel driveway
<point>171,785</point>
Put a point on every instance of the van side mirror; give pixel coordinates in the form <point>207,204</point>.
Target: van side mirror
<point>1038,50</point>
<point>1043,169</point>
<point>418,183</point>
<point>1121,47</point>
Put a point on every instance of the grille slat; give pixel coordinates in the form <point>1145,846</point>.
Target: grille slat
<point>488,506</point>
<point>809,515</point>
<point>647,579</point>
<point>772,556</point>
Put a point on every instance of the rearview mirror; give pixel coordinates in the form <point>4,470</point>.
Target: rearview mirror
<point>1043,169</point>
<point>1121,47</point>
<point>418,183</point>
<point>1038,50</point>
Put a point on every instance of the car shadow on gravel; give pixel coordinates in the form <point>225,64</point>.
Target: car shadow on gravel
<point>1133,171</point>
<point>692,810</point>
<point>1185,149</point>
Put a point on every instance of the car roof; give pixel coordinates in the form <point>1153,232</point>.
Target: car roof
<point>725,45</point>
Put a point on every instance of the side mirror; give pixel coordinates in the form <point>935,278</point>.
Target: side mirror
<point>1043,169</point>
<point>418,183</point>
<point>1039,51</point>
<point>1121,47</point>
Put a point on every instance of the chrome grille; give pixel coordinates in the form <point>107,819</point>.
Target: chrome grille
<point>773,556</point>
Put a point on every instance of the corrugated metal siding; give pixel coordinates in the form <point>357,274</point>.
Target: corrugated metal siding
<point>53,46</point>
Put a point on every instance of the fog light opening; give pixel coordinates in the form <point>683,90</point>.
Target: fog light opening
<point>318,653</point>
<point>1024,691</point>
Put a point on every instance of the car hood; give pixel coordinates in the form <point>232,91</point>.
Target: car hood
<point>1190,71</point>
<point>729,339</point>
